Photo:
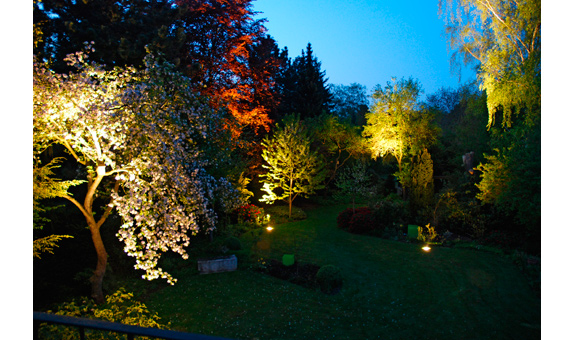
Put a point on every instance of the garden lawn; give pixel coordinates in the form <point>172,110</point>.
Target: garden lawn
<point>392,290</point>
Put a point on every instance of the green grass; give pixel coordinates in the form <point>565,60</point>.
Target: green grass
<point>391,290</point>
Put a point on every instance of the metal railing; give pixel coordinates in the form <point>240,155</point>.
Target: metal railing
<point>130,331</point>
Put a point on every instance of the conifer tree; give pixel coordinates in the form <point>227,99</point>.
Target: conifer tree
<point>421,185</point>
<point>305,89</point>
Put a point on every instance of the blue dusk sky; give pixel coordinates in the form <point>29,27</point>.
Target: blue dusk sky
<point>366,41</point>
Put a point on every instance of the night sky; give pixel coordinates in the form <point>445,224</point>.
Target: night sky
<point>366,41</point>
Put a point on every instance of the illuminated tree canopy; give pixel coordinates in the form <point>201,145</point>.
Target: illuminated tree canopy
<point>505,38</point>
<point>293,168</point>
<point>136,132</point>
<point>396,124</point>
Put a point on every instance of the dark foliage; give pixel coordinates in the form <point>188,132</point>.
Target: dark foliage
<point>389,212</point>
<point>300,273</point>
<point>233,243</point>
<point>329,279</point>
<point>362,222</point>
<point>304,87</point>
<point>344,218</point>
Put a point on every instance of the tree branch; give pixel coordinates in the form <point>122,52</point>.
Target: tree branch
<point>90,195</point>
<point>109,207</point>
<point>71,150</point>
<point>77,204</point>
<point>489,6</point>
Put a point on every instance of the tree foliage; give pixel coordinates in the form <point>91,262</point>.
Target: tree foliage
<point>304,87</point>
<point>338,141</point>
<point>136,132</point>
<point>504,36</point>
<point>462,116</point>
<point>349,102</point>
<point>421,195</point>
<point>397,125</point>
<point>293,168</point>
<point>355,182</point>
<point>120,307</point>
<point>45,186</point>
<point>217,43</point>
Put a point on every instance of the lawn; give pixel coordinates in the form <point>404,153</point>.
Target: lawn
<point>392,290</point>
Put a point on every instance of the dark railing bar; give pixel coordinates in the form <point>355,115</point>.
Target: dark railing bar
<point>81,323</point>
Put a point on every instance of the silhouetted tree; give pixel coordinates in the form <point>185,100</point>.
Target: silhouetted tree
<point>350,103</point>
<point>304,87</point>
<point>120,30</point>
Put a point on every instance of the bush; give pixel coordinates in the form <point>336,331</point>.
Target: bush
<point>389,212</point>
<point>362,221</point>
<point>119,307</point>
<point>344,218</point>
<point>251,214</point>
<point>233,243</point>
<point>280,214</point>
<point>329,279</point>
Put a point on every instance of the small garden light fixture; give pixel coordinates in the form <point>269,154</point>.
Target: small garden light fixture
<point>269,228</point>
<point>426,248</point>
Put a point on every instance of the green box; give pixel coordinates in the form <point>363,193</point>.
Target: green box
<point>412,231</point>
<point>288,260</point>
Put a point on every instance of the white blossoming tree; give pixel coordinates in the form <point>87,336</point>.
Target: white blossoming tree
<point>135,132</point>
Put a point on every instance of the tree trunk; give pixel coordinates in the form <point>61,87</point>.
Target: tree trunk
<point>290,195</point>
<point>98,277</point>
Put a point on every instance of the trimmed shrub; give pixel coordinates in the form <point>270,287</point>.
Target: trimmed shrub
<point>344,218</point>
<point>362,221</point>
<point>233,243</point>
<point>329,279</point>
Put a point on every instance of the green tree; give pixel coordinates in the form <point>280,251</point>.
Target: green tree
<point>293,168</point>
<point>354,182</point>
<point>338,141</point>
<point>421,195</point>
<point>120,307</point>
<point>462,116</point>
<point>397,125</point>
<point>504,37</point>
<point>119,30</point>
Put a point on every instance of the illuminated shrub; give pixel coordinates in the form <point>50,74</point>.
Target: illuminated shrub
<point>362,221</point>
<point>329,279</point>
<point>251,214</point>
<point>119,307</point>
